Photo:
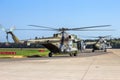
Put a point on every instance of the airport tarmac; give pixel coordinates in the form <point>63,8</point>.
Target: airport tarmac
<point>87,66</point>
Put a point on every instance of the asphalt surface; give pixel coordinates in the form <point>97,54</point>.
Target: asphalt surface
<point>86,66</point>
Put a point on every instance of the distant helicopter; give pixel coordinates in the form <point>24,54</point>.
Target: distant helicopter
<point>101,44</point>
<point>61,42</point>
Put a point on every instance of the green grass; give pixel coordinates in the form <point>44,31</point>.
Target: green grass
<point>24,51</point>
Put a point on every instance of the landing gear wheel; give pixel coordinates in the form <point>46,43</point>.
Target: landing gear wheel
<point>75,54</point>
<point>105,50</point>
<point>71,54</point>
<point>93,50</point>
<point>50,54</point>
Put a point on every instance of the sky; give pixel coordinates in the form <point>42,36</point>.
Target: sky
<point>58,14</point>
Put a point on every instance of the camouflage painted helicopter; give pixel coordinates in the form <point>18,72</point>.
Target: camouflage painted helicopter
<point>61,42</point>
<point>67,43</point>
<point>101,44</point>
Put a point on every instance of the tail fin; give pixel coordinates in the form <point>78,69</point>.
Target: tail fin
<point>16,40</point>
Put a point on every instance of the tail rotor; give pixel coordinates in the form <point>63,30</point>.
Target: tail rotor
<point>7,31</point>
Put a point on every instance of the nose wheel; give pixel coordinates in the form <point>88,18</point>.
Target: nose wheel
<point>73,54</point>
<point>50,54</point>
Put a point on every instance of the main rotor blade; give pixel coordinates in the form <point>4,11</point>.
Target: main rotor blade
<point>95,30</point>
<point>104,36</point>
<point>107,36</point>
<point>90,27</point>
<point>67,29</point>
<point>42,27</point>
<point>37,29</point>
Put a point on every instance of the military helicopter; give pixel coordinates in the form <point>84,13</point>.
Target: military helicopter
<point>67,43</point>
<point>62,42</point>
<point>101,44</point>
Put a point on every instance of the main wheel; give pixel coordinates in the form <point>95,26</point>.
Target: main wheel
<point>71,54</point>
<point>105,50</point>
<point>50,54</point>
<point>75,54</point>
<point>93,50</point>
